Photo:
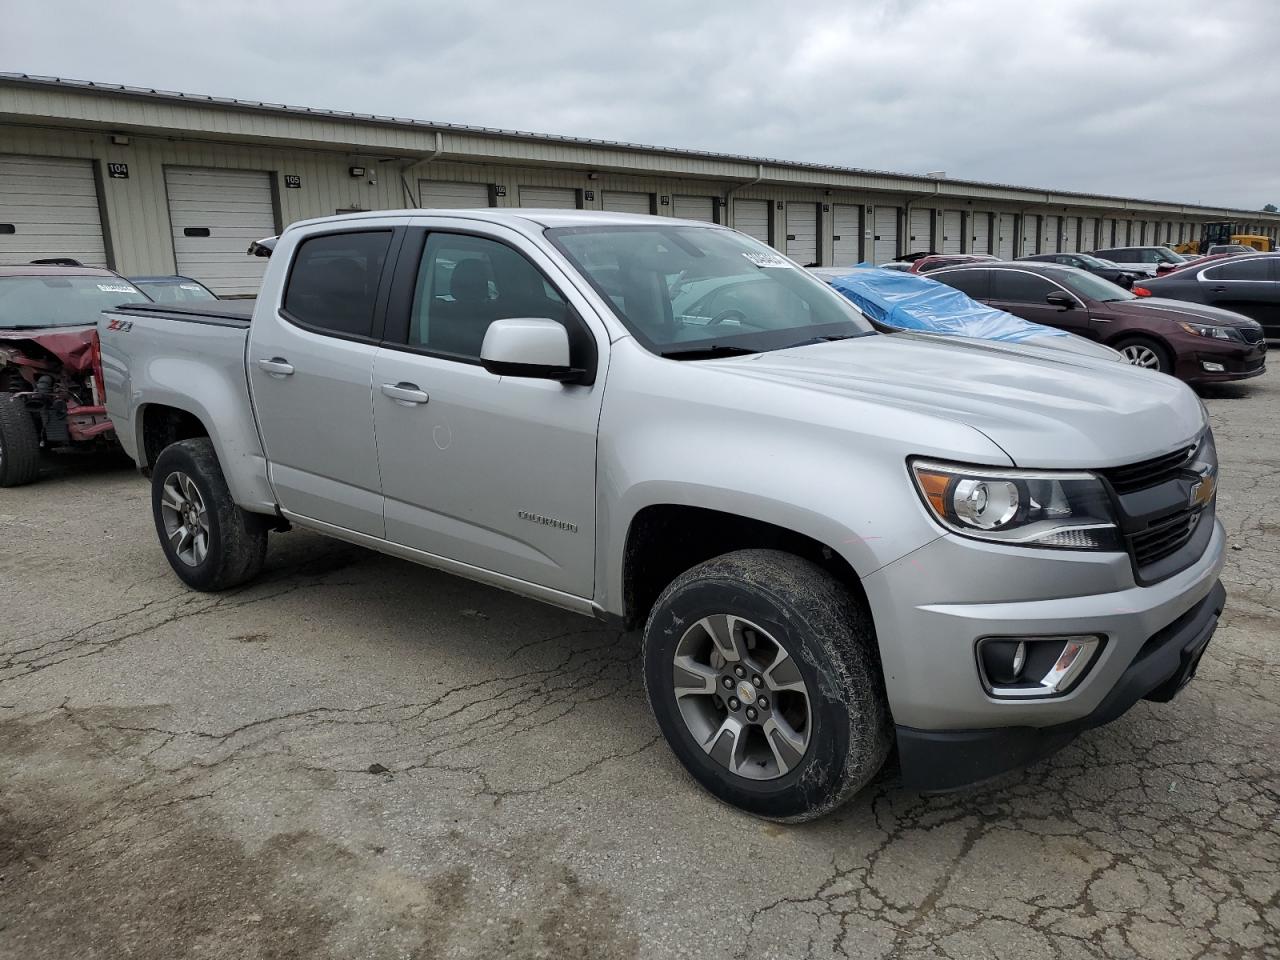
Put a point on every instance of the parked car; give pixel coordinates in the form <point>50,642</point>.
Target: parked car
<point>1198,345</point>
<point>174,289</point>
<point>1248,285</point>
<point>918,305</point>
<point>1230,249</point>
<point>50,374</point>
<point>937,261</point>
<point>1106,269</point>
<point>833,538</point>
<point>1144,260</point>
<point>1202,259</point>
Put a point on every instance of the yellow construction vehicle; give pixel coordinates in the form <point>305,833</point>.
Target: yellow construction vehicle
<point>1220,233</point>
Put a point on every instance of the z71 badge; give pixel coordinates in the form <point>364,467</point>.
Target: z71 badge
<point>124,326</point>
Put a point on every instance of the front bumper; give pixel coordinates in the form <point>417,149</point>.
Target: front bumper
<point>938,760</point>
<point>1239,361</point>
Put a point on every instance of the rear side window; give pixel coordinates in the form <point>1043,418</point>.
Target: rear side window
<point>972,283</point>
<point>1020,287</point>
<point>334,281</point>
<point>1240,270</point>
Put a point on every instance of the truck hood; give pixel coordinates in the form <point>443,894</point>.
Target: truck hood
<point>72,345</point>
<point>1043,407</point>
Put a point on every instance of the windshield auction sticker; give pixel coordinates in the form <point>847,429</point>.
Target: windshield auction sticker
<point>115,288</point>
<point>768,260</point>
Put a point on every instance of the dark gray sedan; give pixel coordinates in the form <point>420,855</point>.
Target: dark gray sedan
<point>1091,264</point>
<point>1245,284</point>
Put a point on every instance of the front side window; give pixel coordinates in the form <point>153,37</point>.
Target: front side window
<point>58,301</point>
<point>334,281</point>
<point>465,283</point>
<point>1240,270</point>
<point>688,291</point>
<point>1018,287</point>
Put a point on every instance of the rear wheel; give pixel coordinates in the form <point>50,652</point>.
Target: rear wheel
<point>1142,352</point>
<point>210,542</point>
<point>19,443</point>
<point>762,672</point>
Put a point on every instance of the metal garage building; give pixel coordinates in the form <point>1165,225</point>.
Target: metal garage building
<point>148,181</point>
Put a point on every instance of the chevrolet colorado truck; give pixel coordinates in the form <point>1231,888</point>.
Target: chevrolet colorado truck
<point>837,541</point>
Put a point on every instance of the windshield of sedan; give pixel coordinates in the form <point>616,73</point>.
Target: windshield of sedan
<point>167,291</point>
<point>1092,287</point>
<point>1093,261</point>
<point>61,301</point>
<point>698,292</point>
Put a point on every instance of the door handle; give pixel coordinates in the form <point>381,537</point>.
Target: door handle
<point>276,366</point>
<point>405,394</point>
<point>1219,289</point>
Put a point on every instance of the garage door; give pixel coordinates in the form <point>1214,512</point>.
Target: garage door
<point>695,208</point>
<point>752,218</point>
<point>1030,234</point>
<point>49,208</point>
<point>920,236</point>
<point>215,215</point>
<point>846,234</point>
<point>443,195</point>
<point>1004,241</point>
<point>886,235</point>
<point>802,233</point>
<point>628,202</point>
<point>1071,233</point>
<point>1089,234</point>
<point>1108,234</point>
<point>1050,230</point>
<point>980,233</point>
<point>557,198</point>
<point>952,231</point>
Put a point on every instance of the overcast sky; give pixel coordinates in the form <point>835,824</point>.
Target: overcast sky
<point>1169,99</point>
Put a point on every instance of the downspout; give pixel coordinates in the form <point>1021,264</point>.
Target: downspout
<point>409,192</point>
<point>728,194</point>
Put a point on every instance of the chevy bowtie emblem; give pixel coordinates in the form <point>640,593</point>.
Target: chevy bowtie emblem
<point>1202,492</point>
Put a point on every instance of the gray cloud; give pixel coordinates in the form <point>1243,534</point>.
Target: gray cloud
<point>1162,101</point>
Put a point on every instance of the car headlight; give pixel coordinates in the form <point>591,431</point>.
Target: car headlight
<point>1031,508</point>
<point>1206,330</point>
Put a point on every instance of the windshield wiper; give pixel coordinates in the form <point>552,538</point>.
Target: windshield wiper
<point>830,339</point>
<point>707,353</point>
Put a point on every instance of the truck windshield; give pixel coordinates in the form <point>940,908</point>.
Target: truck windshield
<point>61,301</point>
<point>700,292</point>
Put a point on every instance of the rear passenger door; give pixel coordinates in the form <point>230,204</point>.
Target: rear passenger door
<point>310,365</point>
<point>1024,295</point>
<point>494,472</point>
<point>1246,285</point>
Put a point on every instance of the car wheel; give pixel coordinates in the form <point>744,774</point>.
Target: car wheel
<point>1145,353</point>
<point>19,443</point>
<point>210,542</point>
<point>763,674</point>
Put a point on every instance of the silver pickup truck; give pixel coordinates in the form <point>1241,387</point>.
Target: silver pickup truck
<point>835,540</point>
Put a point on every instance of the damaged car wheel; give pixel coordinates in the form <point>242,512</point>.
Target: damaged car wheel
<point>19,443</point>
<point>209,541</point>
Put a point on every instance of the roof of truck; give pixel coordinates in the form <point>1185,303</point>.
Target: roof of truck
<point>511,215</point>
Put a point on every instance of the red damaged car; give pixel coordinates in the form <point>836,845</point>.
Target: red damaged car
<point>50,367</point>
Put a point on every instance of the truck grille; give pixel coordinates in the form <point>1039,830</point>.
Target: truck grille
<point>1164,537</point>
<point>1148,473</point>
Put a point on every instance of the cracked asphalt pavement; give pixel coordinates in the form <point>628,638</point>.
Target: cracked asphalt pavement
<point>356,757</point>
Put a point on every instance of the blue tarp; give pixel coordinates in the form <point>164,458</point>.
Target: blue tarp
<point>909,301</point>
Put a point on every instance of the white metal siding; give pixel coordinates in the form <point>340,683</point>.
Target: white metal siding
<point>52,207</point>
<point>1089,234</point>
<point>979,233</point>
<point>695,208</point>
<point>1050,230</point>
<point>1071,234</point>
<point>846,234</point>
<point>802,232</point>
<point>1030,234</point>
<point>235,207</point>
<point>1108,238</point>
<point>952,231</point>
<point>1004,241</point>
<point>920,236</point>
<point>558,198</point>
<point>752,218</point>
<point>449,195</point>
<point>628,202</point>
<point>886,235</point>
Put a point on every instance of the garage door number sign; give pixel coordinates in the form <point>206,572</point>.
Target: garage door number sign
<point>118,171</point>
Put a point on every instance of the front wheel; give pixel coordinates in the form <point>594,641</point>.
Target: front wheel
<point>762,671</point>
<point>19,443</point>
<point>1142,352</point>
<point>211,543</point>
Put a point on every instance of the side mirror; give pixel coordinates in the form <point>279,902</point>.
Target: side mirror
<point>528,347</point>
<point>1060,299</point>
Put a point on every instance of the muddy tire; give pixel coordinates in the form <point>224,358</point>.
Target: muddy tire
<point>763,673</point>
<point>210,542</point>
<point>19,443</point>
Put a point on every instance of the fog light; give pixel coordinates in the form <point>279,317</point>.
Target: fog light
<point>1034,666</point>
<point>1210,367</point>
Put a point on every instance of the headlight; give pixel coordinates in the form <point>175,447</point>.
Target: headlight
<point>1027,507</point>
<point>1206,330</point>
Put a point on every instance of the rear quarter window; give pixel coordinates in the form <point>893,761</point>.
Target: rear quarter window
<point>972,283</point>
<point>333,282</point>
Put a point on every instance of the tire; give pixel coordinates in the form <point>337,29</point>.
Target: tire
<point>1155,355</point>
<point>776,601</point>
<point>19,444</point>
<point>234,540</point>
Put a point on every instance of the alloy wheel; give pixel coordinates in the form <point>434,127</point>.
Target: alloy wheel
<point>186,521</point>
<point>1141,356</point>
<point>742,697</point>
